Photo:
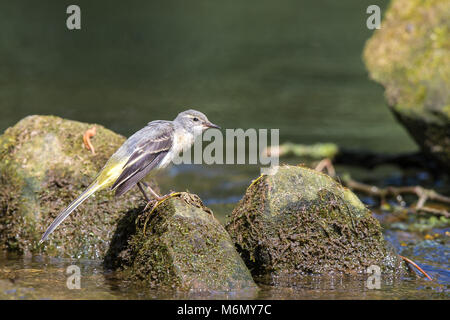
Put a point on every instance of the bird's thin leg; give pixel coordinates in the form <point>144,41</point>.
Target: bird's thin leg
<point>154,194</point>
<point>143,192</point>
<point>158,198</point>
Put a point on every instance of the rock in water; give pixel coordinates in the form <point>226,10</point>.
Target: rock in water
<point>178,245</point>
<point>43,167</point>
<point>299,221</point>
<point>410,57</point>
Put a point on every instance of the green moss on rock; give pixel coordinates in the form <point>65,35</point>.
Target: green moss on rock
<point>410,57</point>
<point>299,221</point>
<point>180,245</point>
<point>43,167</point>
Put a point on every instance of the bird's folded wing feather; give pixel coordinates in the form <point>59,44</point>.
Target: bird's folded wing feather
<point>151,148</point>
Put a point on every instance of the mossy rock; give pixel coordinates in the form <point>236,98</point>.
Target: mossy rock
<point>410,57</point>
<point>43,167</point>
<point>180,245</point>
<point>299,221</point>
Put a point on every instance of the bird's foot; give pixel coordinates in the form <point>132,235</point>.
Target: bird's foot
<point>157,202</point>
<point>167,196</point>
<point>160,199</point>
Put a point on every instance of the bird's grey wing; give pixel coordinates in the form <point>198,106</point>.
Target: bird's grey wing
<point>151,148</point>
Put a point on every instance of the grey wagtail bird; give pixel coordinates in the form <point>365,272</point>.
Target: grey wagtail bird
<point>148,150</point>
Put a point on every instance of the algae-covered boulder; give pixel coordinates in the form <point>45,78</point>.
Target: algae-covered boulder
<point>43,167</point>
<point>180,245</point>
<point>299,221</point>
<point>410,57</point>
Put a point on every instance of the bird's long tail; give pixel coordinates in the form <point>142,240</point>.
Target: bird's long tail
<point>64,214</point>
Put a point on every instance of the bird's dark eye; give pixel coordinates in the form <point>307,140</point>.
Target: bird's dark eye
<point>195,119</point>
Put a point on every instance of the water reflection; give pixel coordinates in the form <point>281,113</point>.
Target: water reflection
<point>44,278</point>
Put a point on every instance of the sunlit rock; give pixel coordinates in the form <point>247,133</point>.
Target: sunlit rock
<point>300,221</point>
<point>410,57</point>
<point>43,167</point>
<point>179,245</point>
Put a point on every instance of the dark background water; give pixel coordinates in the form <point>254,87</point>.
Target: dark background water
<point>293,65</point>
<point>289,64</point>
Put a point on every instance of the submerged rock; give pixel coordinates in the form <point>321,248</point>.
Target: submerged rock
<point>410,57</point>
<point>299,221</point>
<point>43,167</point>
<point>179,245</point>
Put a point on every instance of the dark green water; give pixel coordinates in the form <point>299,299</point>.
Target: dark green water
<point>292,65</point>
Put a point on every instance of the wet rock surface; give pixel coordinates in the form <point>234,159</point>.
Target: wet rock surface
<point>410,57</point>
<point>43,167</point>
<point>300,221</point>
<point>180,245</point>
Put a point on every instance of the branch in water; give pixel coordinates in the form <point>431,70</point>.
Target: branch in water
<point>415,265</point>
<point>360,158</point>
<point>423,194</point>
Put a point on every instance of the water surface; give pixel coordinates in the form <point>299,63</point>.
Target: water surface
<point>291,65</point>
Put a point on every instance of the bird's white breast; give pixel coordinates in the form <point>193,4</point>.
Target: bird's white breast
<point>181,140</point>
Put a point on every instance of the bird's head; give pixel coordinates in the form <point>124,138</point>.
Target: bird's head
<point>194,121</point>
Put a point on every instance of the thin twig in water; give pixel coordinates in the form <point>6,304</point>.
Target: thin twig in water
<point>423,194</point>
<point>435,211</point>
<point>415,265</point>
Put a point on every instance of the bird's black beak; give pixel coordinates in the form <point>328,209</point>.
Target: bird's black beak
<point>211,125</point>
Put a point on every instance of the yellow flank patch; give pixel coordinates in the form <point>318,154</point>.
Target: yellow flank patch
<point>110,173</point>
